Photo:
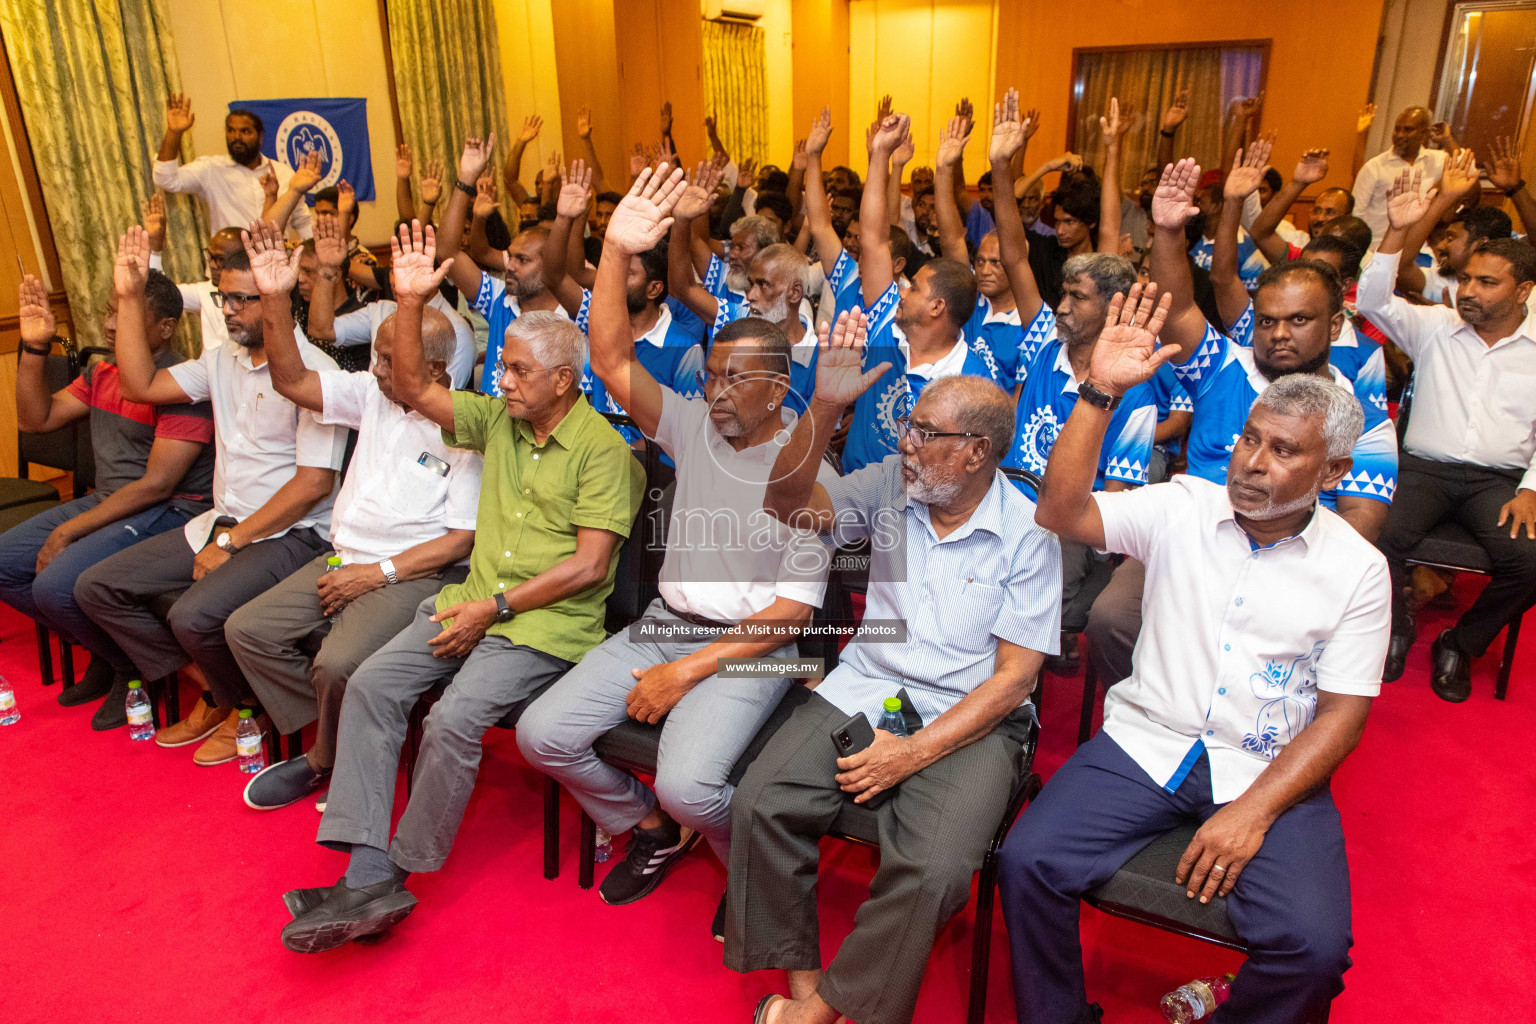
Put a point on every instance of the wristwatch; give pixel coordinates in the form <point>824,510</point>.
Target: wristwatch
<point>1512,191</point>
<point>225,544</point>
<point>45,351</point>
<point>1093,396</point>
<point>388,568</point>
<point>504,611</point>
<point>468,190</point>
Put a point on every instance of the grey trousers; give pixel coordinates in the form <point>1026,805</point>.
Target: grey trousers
<point>933,834</point>
<point>117,593</point>
<point>701,737</point>
<point>1114,622</point>
<point>496,675</point>
<point>271,637</point>
<point>1084,574</point>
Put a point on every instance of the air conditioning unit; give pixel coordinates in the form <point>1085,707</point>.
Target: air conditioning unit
<point>735,10</point>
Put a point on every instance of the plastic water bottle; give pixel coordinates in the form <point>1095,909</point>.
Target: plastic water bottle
<point>604,848</point>
<point>141,722</point>
<point>331,565</point>
<point>248,743</point>
<point>9,714</point>
<point>1196,1000</point>
<point>891,719</point>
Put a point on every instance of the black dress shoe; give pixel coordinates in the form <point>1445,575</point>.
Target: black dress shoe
<point>346,914</point>
<point>1397,656</point>
<point>1451,674</point>
<point>113,713</point>
<point>94,685</point>
<point>301,901</point>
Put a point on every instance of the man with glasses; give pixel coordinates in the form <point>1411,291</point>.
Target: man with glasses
<point>275,468</point>
<point>198,295</point>
<point>958,561</point>
<point>735,583</point>
<point>559,492</point>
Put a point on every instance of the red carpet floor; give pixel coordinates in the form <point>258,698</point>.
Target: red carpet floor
<point>138,887</point>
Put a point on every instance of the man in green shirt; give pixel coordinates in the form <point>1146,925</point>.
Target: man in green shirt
<point>559,494</point>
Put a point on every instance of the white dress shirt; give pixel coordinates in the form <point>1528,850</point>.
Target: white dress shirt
<point>391,500</point>
<point>1237,640</point>
<point>1472,402</point>
<point>233,191</point>
<point>259,436</point>
<point>361,326</point>
<point>199,296</point>
<point>1376,177</point>
<point>727,558</point>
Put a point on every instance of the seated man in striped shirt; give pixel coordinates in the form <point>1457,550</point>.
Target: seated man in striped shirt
<point>958,562</point>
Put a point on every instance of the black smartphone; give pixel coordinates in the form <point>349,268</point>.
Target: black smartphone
<point>851,737</point>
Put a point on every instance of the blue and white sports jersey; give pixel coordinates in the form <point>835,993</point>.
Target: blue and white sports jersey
<point>686,319</point>
<point>1050,392</point>
<point>872,434</point>
<point>1040,332</point>
<point>1349,354</point>
<point>1250,261</point>
<point>843,284</point>
<point>1001,333</point>
<point>499,310</point>
<point>1223,381</point>
<point>802,368</point>
<point>1170,398</point>
<point>668,353</point>
<point>725,295</point>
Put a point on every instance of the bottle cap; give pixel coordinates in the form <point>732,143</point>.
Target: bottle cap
<point>333,560</point>
<point>246,712</point>
<point>134,685</point>
<point>893,704</point>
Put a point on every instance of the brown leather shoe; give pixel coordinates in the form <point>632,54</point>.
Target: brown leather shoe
<point>197,726</point>
<point>220,747</point>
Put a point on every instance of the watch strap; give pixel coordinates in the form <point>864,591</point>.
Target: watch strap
<point>45,351</point>
<point>1515,189</point>
<point>468,190</point>
<point>388,567</point>
<point>503,609</point>
<point>1093,396</point>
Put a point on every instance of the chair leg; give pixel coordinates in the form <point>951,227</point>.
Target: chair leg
<point>586,858</point>
<point>66,663</point>
<point>274,744</point>
<point>44,655</point>
<point>170,689</point>
<point>1511,638</point>
<point>1090,698</point>
<point>295,744</point>
<point>551,828</point>
<point>981,943</point>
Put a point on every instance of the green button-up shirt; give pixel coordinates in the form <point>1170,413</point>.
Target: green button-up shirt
<point>533,497</point>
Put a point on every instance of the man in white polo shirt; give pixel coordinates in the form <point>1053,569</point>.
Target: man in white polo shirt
<point>728,564</point>
<point>403,523</point>
<point>1409,134</point>
<point>1266,628</point>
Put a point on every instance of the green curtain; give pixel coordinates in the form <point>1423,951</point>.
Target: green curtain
<point>736,87</point>
<point>447,75</point>
<point>92,77</point>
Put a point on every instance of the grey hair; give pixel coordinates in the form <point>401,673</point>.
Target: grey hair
<point>1108,272</point>
<point>555,340</point>
<point>979,407</point>
<point>760,228</point>
<point>1302,394</point>
<point>437,337</point>
<point>788,260</point>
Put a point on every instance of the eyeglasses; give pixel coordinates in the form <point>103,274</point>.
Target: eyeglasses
<point>234,301</point>
<point>920,436</point>
<point>522,373</point>
<point>706,378</point>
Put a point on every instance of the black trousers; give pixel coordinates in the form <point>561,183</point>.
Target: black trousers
<point>1429,493</point>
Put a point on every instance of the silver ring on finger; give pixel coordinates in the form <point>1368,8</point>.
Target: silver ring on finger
<point>1218,867</point>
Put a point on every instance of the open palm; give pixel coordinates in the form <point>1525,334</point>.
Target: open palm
<point>1126,353</point>
<point>410,262</point>
<point>697,195</point>
<point>275,273</point>
<point>821,131</point>
<point>1406,204</point>
<point>132,267</point>
<point>642,217</point>
<point>35,318</point>
<point>1173,204</point>
<point>840,374</point>
<point>1312,167</point>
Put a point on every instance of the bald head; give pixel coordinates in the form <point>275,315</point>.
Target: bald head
<point>1410,131</point>
<point>975,406</point>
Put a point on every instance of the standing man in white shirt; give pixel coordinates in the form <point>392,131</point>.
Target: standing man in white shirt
<point>1409,134</point>
<point>1266,627</point>
<point>231,184</point>
<point>403,525</point>
<point>1470,451</point>
<point>274,471</point>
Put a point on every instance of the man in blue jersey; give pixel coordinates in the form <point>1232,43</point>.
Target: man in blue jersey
<point>918,332</point>
<point>666,348</point>
<point>1298,311</point>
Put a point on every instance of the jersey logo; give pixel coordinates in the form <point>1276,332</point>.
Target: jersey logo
<point>894,402</point>
<point>1038,438</point>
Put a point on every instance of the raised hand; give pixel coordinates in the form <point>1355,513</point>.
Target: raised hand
<point>486,201</point>
<point>552,167</point>
<point>411,251</point>
<point>1177,111</point>
<point>821,131</point>
<point>1504,167</point>
<point>952,141</point>
<point>178,113</point>
<point>35,318</point>
<point>307,175</point>
<point>1460,175</point>
<point>403,162</point>
<point>840,374</point>
<point>575,191</point>
<point>904,152</point>
<point>432,181</point>
<point>1008,131</point>
<point>269,187</point>
<point>330,241</point>
<point>666,117</point>
<point>476,155</point>
<point>964,109</point>
<point>1312,167</point>
<point>1112,125</point>
<point>1067,162</point>
<point>275,271</point>
<point>346,201</point>
<point>1249,108</point>
<point>584,122</point>
<point>1173,204</point>
<point>1248,173</point>
<point>1440,135</point>
<point>745,175</point>
<point>885,108</point>
<point>641,219</point>
<point>889,134</point>
<point>1031,122</point>
<point>132,267</point>
<point>529,130</point>
<point>1126,353</point>
<point>1406,205</point>
<point>153,210</point>
<point>798,161</point>
<point>697,195</point>
<point>1363,122</point>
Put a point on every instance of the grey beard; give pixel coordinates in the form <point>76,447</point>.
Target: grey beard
<point>1269,510</point>
<point>930,493</point>
<point>777,313</point>
<point>737,281</point>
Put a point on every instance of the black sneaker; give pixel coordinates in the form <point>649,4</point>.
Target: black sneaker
<point>113,713</point>
<point>647,859</point>
<point>94,685</point>
<point>283,783</point>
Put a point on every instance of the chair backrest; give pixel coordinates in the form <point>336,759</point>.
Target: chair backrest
<point>1023,476</point>
<point>61,448</point>
<point>637,578</point>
